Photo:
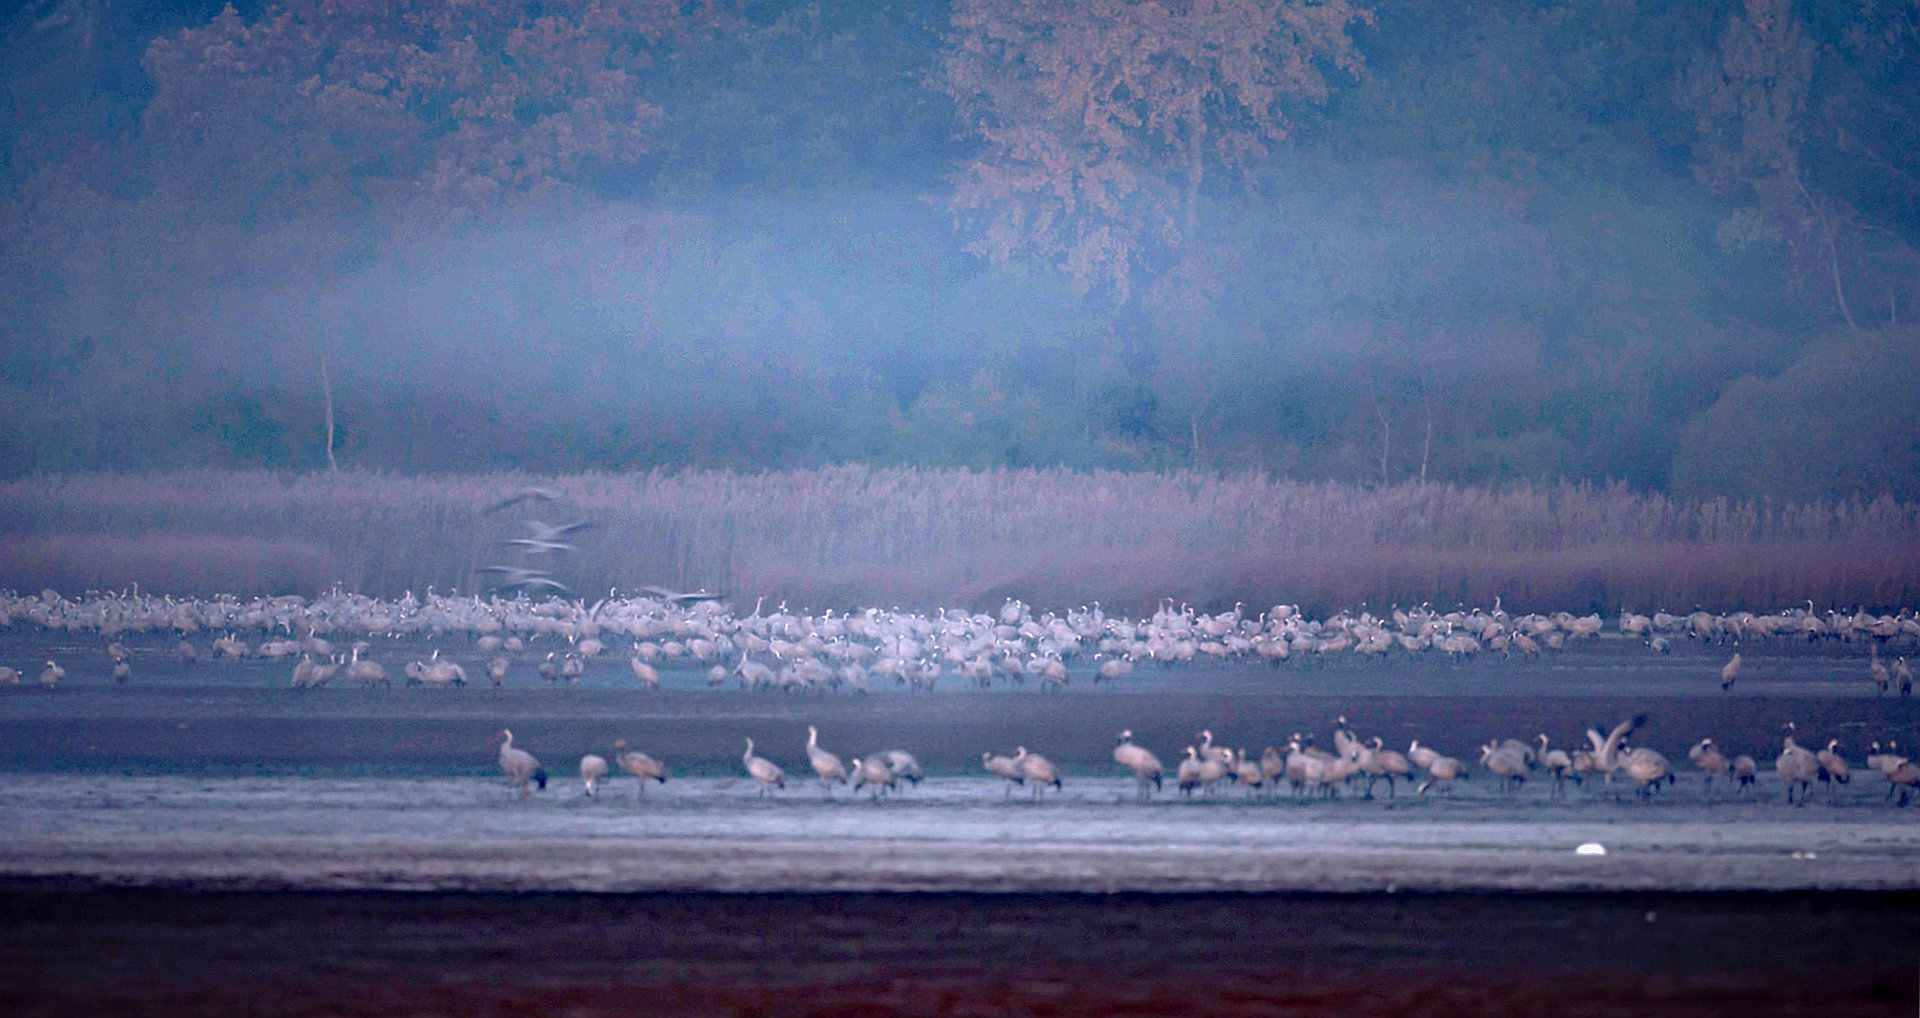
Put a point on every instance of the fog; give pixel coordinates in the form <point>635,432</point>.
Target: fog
<point>1498,247</point>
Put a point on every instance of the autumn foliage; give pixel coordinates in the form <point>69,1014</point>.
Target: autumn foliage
<point>1099,122</point>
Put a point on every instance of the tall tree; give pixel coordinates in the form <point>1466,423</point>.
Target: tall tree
<point>1749,97</point>
<point>1100,122</point>
<point>1812,133</point>
<point>472,100</point>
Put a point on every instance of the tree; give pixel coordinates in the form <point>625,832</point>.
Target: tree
<point>1749,98</point>
<point>1813,134</point>
<point>1099,122</point>
<point>363,98</point>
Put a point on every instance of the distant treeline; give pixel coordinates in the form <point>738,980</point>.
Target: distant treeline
<point>849,537</point>
<point>1670,244</point>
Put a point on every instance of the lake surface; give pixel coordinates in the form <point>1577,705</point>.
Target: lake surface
<point>206,841</point>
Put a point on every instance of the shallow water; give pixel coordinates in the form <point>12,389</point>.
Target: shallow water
<point>948,834</point>
<point>217,775</point>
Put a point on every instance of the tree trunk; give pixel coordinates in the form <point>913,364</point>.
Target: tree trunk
<point>1386,438</point>
<point>1839,292</point>
<point>326,397</point>
<point>1426,448</point>
<point>1833,250</point>
<point>1196,170</point>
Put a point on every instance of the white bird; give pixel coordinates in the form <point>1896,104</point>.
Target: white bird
<point>1796,766</point>
<point>1442,770</point>
<point>643,671</point>
<point>1501,760</point>
<point>520,765</point>
<point>1187,775</point>
<point>1006,767</point>
<point>753,674</point>
<point>1713,763</point>
<point>1745,772</point>
<point>1906,778</point>
<point>1038,770</point>
<point>1140,760</point>
<point>764,771</point>
<point>546,532</point>
<point>638,764</point>
<point>1730,671</point>
<point>1648,767</point>
<point>1214,770</point>
<point>593,767</point>
<point>1606,748</point>
<point>825,764</point>
<point>533,494</point>
<point>1392,763</point>
<point>1248,774</point>
<point>1885,760</point>
<point>873,773</point>
<point>1273,767</point>
<point>902,764</point>
<point>1558,763</point>
<point>535,546</point>
<point>367,673</point>
<point>1307,768</point>
<point>1833,768</point>
<point>1209,751</point>
<point>51,675</point>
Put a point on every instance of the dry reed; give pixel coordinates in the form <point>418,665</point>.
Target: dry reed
<point>851,535</point>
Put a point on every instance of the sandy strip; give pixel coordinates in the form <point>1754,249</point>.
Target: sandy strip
<point>1452,858</point>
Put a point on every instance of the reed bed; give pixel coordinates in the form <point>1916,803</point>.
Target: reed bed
<point>854,535</point>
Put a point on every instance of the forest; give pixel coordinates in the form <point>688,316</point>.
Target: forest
<point>1668,245</point>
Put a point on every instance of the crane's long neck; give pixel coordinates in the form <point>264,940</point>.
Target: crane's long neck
<point>749,754</point>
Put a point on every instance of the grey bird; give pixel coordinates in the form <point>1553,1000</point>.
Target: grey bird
<point>524,495</point>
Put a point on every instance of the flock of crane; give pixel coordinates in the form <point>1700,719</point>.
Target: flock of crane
<point>782,650</point>
<point>1208,769</point>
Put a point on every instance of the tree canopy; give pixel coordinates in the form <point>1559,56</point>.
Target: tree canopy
<point>1356,239</point>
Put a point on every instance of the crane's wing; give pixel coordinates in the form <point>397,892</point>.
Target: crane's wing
<point>1621,731</point>
<point>553,531</point>
<point>676,596</point>
<point>531,494</point>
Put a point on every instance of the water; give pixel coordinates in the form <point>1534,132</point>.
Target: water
<point>217,775</point>
<point>471,833</point>
<point>126,812</point>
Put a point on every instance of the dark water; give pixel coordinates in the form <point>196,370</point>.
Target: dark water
<point>217,716</point>
<point>207,841</point>
<point>74,952</point>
